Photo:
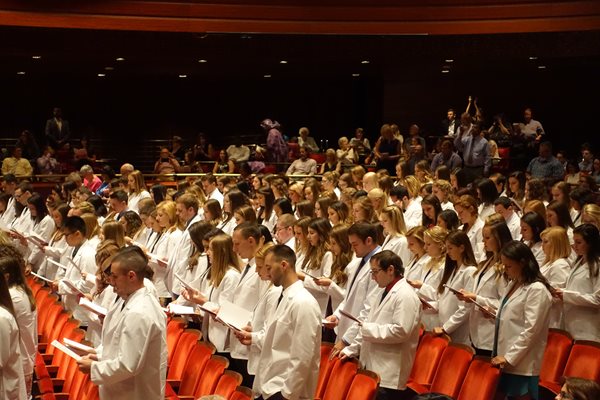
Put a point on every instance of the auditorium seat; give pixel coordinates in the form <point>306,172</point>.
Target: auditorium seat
<point>450,372</point>
<point>196,363</point>
<point>583,362</point>
<point>175,328</point>
<point>555,357</point>
<point>340,379</point>
<point>215,367</point>
<point>185,344</point>
<point>428,356</point>
<point>364,386</point>
<point>481,380</point>
<point>325,367</point>
<point>242,393</point>
<point>227,383</point>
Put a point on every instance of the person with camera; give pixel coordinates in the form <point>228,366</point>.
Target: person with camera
<point>166,164</point>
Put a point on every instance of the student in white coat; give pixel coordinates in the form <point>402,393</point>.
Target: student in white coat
<point>284,231</point>
<point>265,213</point>
<point>9,185</point>
<point>288,367</point>
<point>42,229</point>
<point>532,226</point>
<point>362,290</point>
<point>387,340</point>
<point>392,222</point>
<point>197,262</point>
<point>521,326</point>
<point>488,288</point>
<point>581,296</point>
<point>209,185</point>
<point>442,189</point>
<point>247,240</point>
<point>169,236</point>
<point>467,211</point>
<point>231,201</point>
<point>186,208</point>
<point>416,245</point>
<point>12,382</point>
<point>504,206</point>
<point>137,190</point>
<point>301,245</point>
<point>57,244</point>
<point>556,267</point>
<point>224,278</point>
<point>11,267</point>
<point>458,274</point>
<point>133,363</point>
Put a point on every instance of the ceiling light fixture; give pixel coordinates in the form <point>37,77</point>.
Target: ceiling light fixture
<point>283,62</point>
<point>101,75</point>
<point>183,76</point>
<point>21,73</point>
<point>355,75</point>
<point>449,60</point>
<point>202,61</point>
<point>267,76</point>
<point>120,59</point>
<point>36,57</point>
<point>365,62</point>
<point>109,68</point>
<point>533,58</point>
<point>445,71</point>
<point>541,67</point>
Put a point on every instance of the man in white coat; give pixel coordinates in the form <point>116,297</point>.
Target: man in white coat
<point>387,340</point>
<point>284,231</point>
<point>504,206</point>
<point>9,185</point>
<point>209,184</point>
<point>133,361</point>
<point>288,367</point>
<point>361,289</point>
<point>186,208</point>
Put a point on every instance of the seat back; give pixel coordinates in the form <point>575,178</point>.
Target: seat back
<point>556,355</point>
<point>242,393</point>
<point>185,344</point>
<point>364,386</point>
<point>325,368</point>
<point>227,383</point>
<point>212,372</point>
<point>174,330</point>
<point>452,369</point>
<point>195,366</point>
<point>340,379</point>
<point>428,356</point>
<point>481,380</point>
<point>584,360</point>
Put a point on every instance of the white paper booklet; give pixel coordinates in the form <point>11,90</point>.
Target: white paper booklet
<point>181,310</point>
<point>234,316</point>
<point>93,307</point>
<point>78,346</point>
<point>66,350</point>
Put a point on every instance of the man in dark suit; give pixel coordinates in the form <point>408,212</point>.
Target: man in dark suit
<point>57,129</point>
<point>450,124</point>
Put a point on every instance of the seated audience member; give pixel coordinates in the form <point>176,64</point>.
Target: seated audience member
<point>587,158</point>
<point>545,165</point>
<point>17,165</point>
<point>449,124</point>
<point>90,180</point>
<point>126,169</point>
<point>346,153</point>
<point>209,185</point>
<point>223,165</point>
<point>238,153</point>
<point>304,165</point>
<point>166,164</point>
<point>47,164</point>
<point>331,162</point>
<point>579,389</point>
<point>447,157</point>
<point>361,144</point>
<point>388,337</point>
<point>308,141</point>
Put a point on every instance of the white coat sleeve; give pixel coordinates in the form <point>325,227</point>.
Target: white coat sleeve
<point>373,295</point>
<point>405,318</point>
<point>584,299</point>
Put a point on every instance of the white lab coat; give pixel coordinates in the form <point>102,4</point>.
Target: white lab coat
<point>357,298</point>
<point>454,314</point>
<point>291,347</point>
<point>388,339</point>
<point>485,210</point>
<point>556,273</point>
<point>538,252</point>
<point>476,237</point>
<point>94,331</point>
<point>54,251</point>
<point>134,199</point>
<point>12,381</point>
<point>264,309</point>
<point>27,322</point>
<point>320,292</point>
<point>337,291</point>
<point>213,331</point>
<point>514,226</point>
<point>178,259</point>
<point>431,279</point>
<point>43,229</point>
<point>228,226</point>
<point>413,215</point>
<point>133,365</point>
<point>414,269</point>
<point>246,294</point>
<point>399,245</point>
<point>489,290</point>
<point>8,215</point>
<point>523,329</point>
<point>581,308</point>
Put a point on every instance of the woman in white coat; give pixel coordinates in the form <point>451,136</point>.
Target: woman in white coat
<point>41,231</point>
<point>467,210</point>
<point>224,277</point>
<point>137,190</point>
<point>458,274</point>
<point>581,296</point>
<point>556,267</point>
<point>488,287</point>
<point>532,226</point>
<point>521,324</point>
<point>232,200</point>
<point>12,381</point>
<point>416,245</point>
<point>11,267</point>
<point>392,222</point>
<point>57,244</point>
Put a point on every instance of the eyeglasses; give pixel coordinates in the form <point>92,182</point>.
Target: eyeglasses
<point>375,271</point>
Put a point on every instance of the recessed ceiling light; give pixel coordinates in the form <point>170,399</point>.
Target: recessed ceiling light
<point>445,71</point>
<point>283,62</point>
<point>101,75</point>
<point>541,67</point>
<point>202,61</point>
<point>36,57</point>
<point>267,76</point>
<point>365,62</point>
<point>183,76</point>
<point>532,58</point>
<point>21,73</point>
<point>449,60</point>
<point>109,68</point>
<point>355,75</point>
<point>120,59</point>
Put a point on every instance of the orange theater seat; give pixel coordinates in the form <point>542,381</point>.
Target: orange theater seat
<point>481,380</point>
<point>583,362</point>
<point>555,358</point>
<point>195,366</point>
<point>212,373</point>
<point>428,356</point>
<point>227,384</point>
<point>242,393</point>
<point>186,343</point>
<point>452,370</point>
<point>364,386</point>
<point>174,330</point>
<point>325,368</point>
<point>340,379</point>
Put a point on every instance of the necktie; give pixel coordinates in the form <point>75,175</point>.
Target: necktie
<point>470,151</point>
<point>279,299</point>
<point>244,273</point>
<point>362,263</point>
<point>385,292</point>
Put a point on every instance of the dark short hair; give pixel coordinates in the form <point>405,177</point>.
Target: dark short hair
<point>133,259</point>
<point>283,252</point>
<point>363,230</point>
<point>387,258</point>
<point>503,201</point>
<point>248,229</point>
<point>119,195</point>
<point>75,224</point>
<point>399,191</point>
<point>10,178</point>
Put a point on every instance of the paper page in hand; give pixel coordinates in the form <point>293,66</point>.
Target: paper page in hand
<point>350,316</point>
<point>72,287</point>
<point>484,309</point>
<point>233,315</point>
<point>157,259</point>
<point>35,242</point>
<point>181,310</point>
<point>59,265</point>
<point>308,274</point>
<point>452,289</point>
<point>34,236</point>
<point>73,263</point>
<point>426,301</point>
<point>183,283</point>
<point>41,277</point>
<point>209,308</point>
<point>93,307</point>
<point>78,346</point>
<point>66,350</point>
<point>51,252</point>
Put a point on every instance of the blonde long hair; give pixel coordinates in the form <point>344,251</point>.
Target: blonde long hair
<point>223,258</point>
<point>559,243</point>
